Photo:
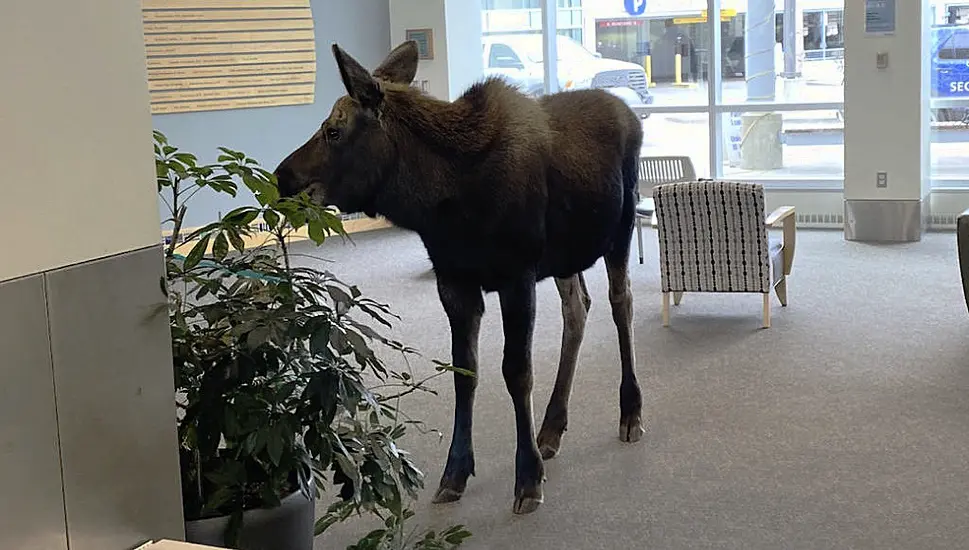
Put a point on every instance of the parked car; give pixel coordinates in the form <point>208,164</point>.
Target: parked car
<point>519,58</point>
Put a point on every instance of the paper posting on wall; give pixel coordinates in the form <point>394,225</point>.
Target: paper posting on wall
<point>207,55</point>
<point>879,17</point>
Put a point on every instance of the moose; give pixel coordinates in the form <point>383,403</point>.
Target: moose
<point>504,191</point>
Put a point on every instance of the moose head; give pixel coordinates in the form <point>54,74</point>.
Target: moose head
<point>348,158</point>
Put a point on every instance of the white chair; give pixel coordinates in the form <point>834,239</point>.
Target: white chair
<point>655,171</point>
<point>713,237</point>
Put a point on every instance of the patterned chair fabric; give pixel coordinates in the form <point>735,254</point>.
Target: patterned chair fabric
<point>713,238</point>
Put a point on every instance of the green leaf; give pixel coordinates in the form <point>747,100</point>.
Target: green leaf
<point>296,218</point>
<point>220,247</point>
<point>187,159</point>
<point>198,251</point>
<point>231,421</point>
<point>271,218</point>
<point>316,232</point>
<point>241,216</point>
<point>338,294</point>
<point>236,240</point>
<point>258,336</point>
<point>274,445</point>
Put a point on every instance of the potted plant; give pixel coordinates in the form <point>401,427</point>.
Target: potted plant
<point>272,363</point>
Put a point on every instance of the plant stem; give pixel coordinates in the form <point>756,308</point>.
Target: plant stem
<point>177,216</point>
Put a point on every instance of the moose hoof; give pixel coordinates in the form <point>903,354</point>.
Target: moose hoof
<point>449,491</point>
<point>445,495</point>
<point>549,444</point>
<point>528,501</point>
<point>631,429</point>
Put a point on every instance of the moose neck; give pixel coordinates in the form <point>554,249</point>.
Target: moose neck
<point>435,142</point>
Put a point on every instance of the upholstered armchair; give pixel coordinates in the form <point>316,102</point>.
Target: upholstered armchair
<point>713,237</point>
<point>962,240</point>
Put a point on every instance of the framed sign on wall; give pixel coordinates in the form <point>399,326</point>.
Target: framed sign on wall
<point>425,41</point>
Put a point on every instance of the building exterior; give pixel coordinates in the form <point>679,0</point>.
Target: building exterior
<point>668,26</point>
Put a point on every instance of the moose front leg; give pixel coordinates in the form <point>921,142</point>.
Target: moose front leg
<point>464,307</point>
<point>518,321</point>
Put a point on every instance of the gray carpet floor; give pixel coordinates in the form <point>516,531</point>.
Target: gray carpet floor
<point>846,425</point>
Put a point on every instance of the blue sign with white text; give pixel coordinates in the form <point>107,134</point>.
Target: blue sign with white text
<point>635,7</point>
<point>950,61</point>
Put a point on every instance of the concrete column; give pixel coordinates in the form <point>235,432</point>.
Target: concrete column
<point>463,29</point>
<point>88,448</point>
<point>759,44</point>
<point>887,183</point>
<point>760,146</point>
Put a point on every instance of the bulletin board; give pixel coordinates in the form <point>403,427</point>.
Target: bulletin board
<point>207,55</point>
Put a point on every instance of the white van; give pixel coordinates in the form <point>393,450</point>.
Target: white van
<point>519,59</point>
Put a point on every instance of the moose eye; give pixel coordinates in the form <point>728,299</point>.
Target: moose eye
<point>332,134</point>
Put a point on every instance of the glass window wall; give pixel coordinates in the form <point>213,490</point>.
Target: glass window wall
<point>774,76</point>
<point>948,90</point>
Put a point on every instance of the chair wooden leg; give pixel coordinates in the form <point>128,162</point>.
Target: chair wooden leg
<point>781,290</point>
<point>666,309</point>
<point>639,235</point>
<point>677,296</point>
<point>767,309</point>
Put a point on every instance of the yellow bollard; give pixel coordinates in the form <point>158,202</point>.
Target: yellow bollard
<point>678,68</point>
<point>648,65</point>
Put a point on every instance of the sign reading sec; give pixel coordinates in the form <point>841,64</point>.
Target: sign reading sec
<point>635,7</point>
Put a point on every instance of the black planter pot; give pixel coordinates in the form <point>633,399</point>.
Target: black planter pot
<point>286,527</point>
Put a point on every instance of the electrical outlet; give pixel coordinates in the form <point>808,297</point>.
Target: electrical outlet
<point>881,180</point>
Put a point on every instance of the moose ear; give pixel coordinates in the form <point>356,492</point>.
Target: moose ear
<point>357,80</point>
<point>400,66</point>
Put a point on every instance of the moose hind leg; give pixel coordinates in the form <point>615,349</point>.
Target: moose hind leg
<point>575,309</point>
<point>464,307</point>
<point>630,395</point>
<point>518,321</point>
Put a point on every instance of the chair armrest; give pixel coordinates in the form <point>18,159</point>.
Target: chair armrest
<point>781,214</point>
<point>784,217</point>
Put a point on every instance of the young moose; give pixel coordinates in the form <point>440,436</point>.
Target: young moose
<point>504,191</point>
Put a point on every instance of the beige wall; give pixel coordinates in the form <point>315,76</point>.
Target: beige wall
<point>77,175</point>
<point>424,14</point>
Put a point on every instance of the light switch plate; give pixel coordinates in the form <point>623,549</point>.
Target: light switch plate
<point>881,60</point>
<point>881,180</point>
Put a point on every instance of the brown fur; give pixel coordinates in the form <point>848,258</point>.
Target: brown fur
<point>504,191</point>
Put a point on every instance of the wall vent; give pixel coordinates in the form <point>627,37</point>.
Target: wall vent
<point>826,220</point>
<point>943,221</point>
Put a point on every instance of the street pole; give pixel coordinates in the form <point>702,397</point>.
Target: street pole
<point>549,45</point>
<point>790,38</point>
